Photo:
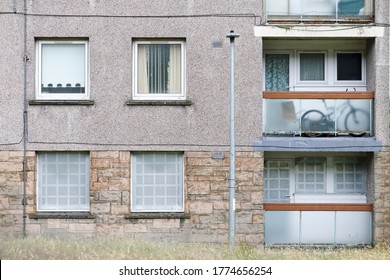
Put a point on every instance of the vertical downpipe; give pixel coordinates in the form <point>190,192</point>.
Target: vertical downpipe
<point>232,165</point>
<point>25,120</point>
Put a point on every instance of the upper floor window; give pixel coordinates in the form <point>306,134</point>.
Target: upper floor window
<point>62,70</point>
<point>349,66</point>
<point>312,66</point>
<point>159,70</point>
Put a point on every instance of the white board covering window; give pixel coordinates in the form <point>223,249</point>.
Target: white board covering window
<point>63,181</point>
<point>159,70</point>
<point>62,70</point>
<point>157,182</point>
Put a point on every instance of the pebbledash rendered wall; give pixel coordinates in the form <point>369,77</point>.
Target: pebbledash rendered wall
<point>206,200</point>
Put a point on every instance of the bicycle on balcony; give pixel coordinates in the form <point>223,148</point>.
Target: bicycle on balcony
<point>315,123</point>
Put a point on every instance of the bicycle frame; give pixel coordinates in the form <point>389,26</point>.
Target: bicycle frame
<point>315,122</point>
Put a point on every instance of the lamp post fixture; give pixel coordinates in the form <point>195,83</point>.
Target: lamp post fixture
<point>232,166</point>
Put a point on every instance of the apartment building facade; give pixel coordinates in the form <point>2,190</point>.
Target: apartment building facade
<point>115,120</point>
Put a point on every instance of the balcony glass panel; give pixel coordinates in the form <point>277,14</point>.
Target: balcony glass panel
<point>317,117</point>
<point>318,227</point>
<point>319,10</point>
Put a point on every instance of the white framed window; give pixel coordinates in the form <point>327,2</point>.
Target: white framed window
<point>277,180</point>
<point>312,66</point>
<point>159,70</point>
<point>309,65</point>
<point>278,76</point>
<point>350,66</point>
<point>312,177</point>
<point>349,175</point>
<point>62,70</point>
<point>63,181</point>
<point>157,182</point>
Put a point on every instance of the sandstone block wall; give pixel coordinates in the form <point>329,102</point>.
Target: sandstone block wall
<point>206,187</point>
<point>382,196</point>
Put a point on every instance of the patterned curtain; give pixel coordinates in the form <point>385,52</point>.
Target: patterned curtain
<point>277,72</point>
<point>312,67</point>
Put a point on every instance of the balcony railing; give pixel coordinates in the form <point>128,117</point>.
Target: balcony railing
<point>319,11</point>
<point>318,114</point>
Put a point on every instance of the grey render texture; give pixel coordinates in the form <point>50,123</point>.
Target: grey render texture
<point>111,123</point>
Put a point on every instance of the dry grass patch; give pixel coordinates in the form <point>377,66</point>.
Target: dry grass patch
<point>55,248</point>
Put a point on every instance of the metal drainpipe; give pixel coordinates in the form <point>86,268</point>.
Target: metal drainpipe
<point>25,120</point>
<point>232,165</point>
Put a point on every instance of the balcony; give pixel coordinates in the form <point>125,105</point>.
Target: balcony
<point>319,224</point>
<point>319,11</point>
<point>318,114</point>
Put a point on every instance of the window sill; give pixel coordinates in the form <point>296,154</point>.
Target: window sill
<point>61,215</point>
<point>62,102</point>
<point>143,215</point>
<point>159,103</point>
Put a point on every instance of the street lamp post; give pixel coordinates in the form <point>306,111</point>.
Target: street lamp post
<point>232,167</point>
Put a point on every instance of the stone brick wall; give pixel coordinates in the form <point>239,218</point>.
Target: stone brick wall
<point>206,200</point>
<point>208,196</point>
<point>382,196</point>
<point>110,190</point>
<point>11,190</point>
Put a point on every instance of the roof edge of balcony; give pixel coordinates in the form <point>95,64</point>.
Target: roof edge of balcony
<point>320,144</point>
<point>319,31</point>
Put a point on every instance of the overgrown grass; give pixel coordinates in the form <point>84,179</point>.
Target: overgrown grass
<point>55,248</point>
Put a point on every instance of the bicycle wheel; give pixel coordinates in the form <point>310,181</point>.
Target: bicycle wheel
<point>313,123</point>
<point>357,122</point>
